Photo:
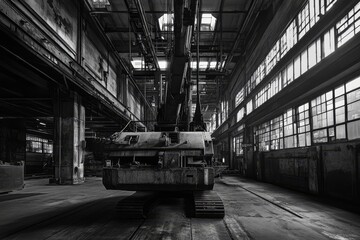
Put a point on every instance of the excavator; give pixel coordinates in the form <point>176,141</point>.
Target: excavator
<point>178,155</point>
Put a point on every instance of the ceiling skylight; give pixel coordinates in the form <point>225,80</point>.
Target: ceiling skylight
<point>100,3</point>
<point>204,65</point>
<point>208,22</point>
<point>166,22</point>
<point>138,63</point>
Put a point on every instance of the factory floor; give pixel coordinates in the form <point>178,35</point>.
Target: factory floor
<point>254,210</point>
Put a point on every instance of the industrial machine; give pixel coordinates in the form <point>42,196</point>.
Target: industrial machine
<point>178,155</point>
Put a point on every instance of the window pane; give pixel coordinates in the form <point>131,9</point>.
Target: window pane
<point>340,101</point>
<point>353,130</point>
<point>340,132</point>
<point>297,67</point>
<point>290,73</point>
<point>353,96</point>
<point>320,136</point>
<point>304,61</point>
<point>329,42</point>
<point>353,110</point>
<point>302,140</point>
<point>353,84</point>
<point>312,55</point>
<point>340,115</point>
<point>339,91</point>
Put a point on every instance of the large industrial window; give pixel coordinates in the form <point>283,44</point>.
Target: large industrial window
<point>289,74</point>
<point>323,117</point>
<point>297,67</point>
<point>224,106</point>
<point>238,141</point>
<point>276,134</point>
<point>304,21</point>
<point>275,86</point>
<point>100,3</point>
<point>353,108</point>
<point>240,115</point>
<point>290,140</point>
<point>273,57</point>
<point>262,96</point>
<point>348,26</point>
<point>335,115</point>
<point>239,97</point>
<point>288,39</point>
<point>166,22</point>
<point>326,5</point>
<point>314,53</point>
<point>262,136</point>
<point>329,42</point>
<point>249,107</point>
<point>303,125</point>
<point>336,36</point>
<point>38,145</point>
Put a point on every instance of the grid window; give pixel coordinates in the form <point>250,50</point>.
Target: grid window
<point>273,57</point>
<point>289,74</point>
<point>262,96</point>
<point>304,21</point>
<point>238,140</point>
<point>290,140</point>
<point>239,97</point>
<point>322,110</point>
<point>303,125</point>
<point>353,108</point>
<point>340,104</point>
<point>348,26</point>
<point>275,86</point>
<point>314,11</point>
<point>263,137</point>
<point>276,134</point>
<point>38,145</point>
<point>261,71</point>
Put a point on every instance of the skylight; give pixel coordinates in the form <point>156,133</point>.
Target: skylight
<point>204,65</point>
<point>166,22</point>
<point>208,22</point>
<point>138,63</point>
<point>100,3</point>
<point>163,64</point>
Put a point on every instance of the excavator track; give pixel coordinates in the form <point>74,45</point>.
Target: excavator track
<point>208,204</point>
<point>135,206</point>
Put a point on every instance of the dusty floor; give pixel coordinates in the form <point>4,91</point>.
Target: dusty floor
<point>254,210</point>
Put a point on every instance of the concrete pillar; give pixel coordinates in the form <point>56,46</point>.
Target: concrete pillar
<point>69,140</point>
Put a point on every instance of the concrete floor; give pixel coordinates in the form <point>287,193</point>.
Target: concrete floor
<point>254,210</point>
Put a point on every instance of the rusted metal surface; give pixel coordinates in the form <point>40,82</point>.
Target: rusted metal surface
<point>174,179</point>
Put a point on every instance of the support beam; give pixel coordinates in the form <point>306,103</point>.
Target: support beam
<point>69,140</point>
